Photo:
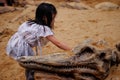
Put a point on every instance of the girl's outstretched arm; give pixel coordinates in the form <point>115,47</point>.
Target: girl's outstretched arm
<point>58,43</point>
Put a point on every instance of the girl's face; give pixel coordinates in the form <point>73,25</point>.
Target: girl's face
<point>53,20</point>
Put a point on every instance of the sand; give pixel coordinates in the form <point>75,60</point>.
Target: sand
<point>72,27</point>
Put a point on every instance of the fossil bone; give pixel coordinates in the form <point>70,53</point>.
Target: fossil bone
<point>86,63</point>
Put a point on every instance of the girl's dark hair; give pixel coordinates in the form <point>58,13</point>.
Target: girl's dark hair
<point>44,14</point>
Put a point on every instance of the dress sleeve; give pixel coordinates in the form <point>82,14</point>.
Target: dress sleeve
<point>22,26</point>
<point>45,31</point>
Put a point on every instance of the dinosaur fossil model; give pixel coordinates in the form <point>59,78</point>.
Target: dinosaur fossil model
<point>86,63</point>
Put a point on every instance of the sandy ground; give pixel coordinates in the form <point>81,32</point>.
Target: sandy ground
<point>72,26</point>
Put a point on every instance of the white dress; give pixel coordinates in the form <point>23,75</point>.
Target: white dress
<point>27,36</point>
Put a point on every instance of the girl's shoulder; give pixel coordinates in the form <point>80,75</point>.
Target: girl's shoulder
<point>34,25</point>
<point>22,26</point>
<point>27,26</point>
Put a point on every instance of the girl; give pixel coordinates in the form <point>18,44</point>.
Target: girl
<point>35,33</point>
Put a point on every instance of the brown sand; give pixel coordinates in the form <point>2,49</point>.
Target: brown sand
<point>71,27</point>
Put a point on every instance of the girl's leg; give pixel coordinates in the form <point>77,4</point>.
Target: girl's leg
<point>29,74</point>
